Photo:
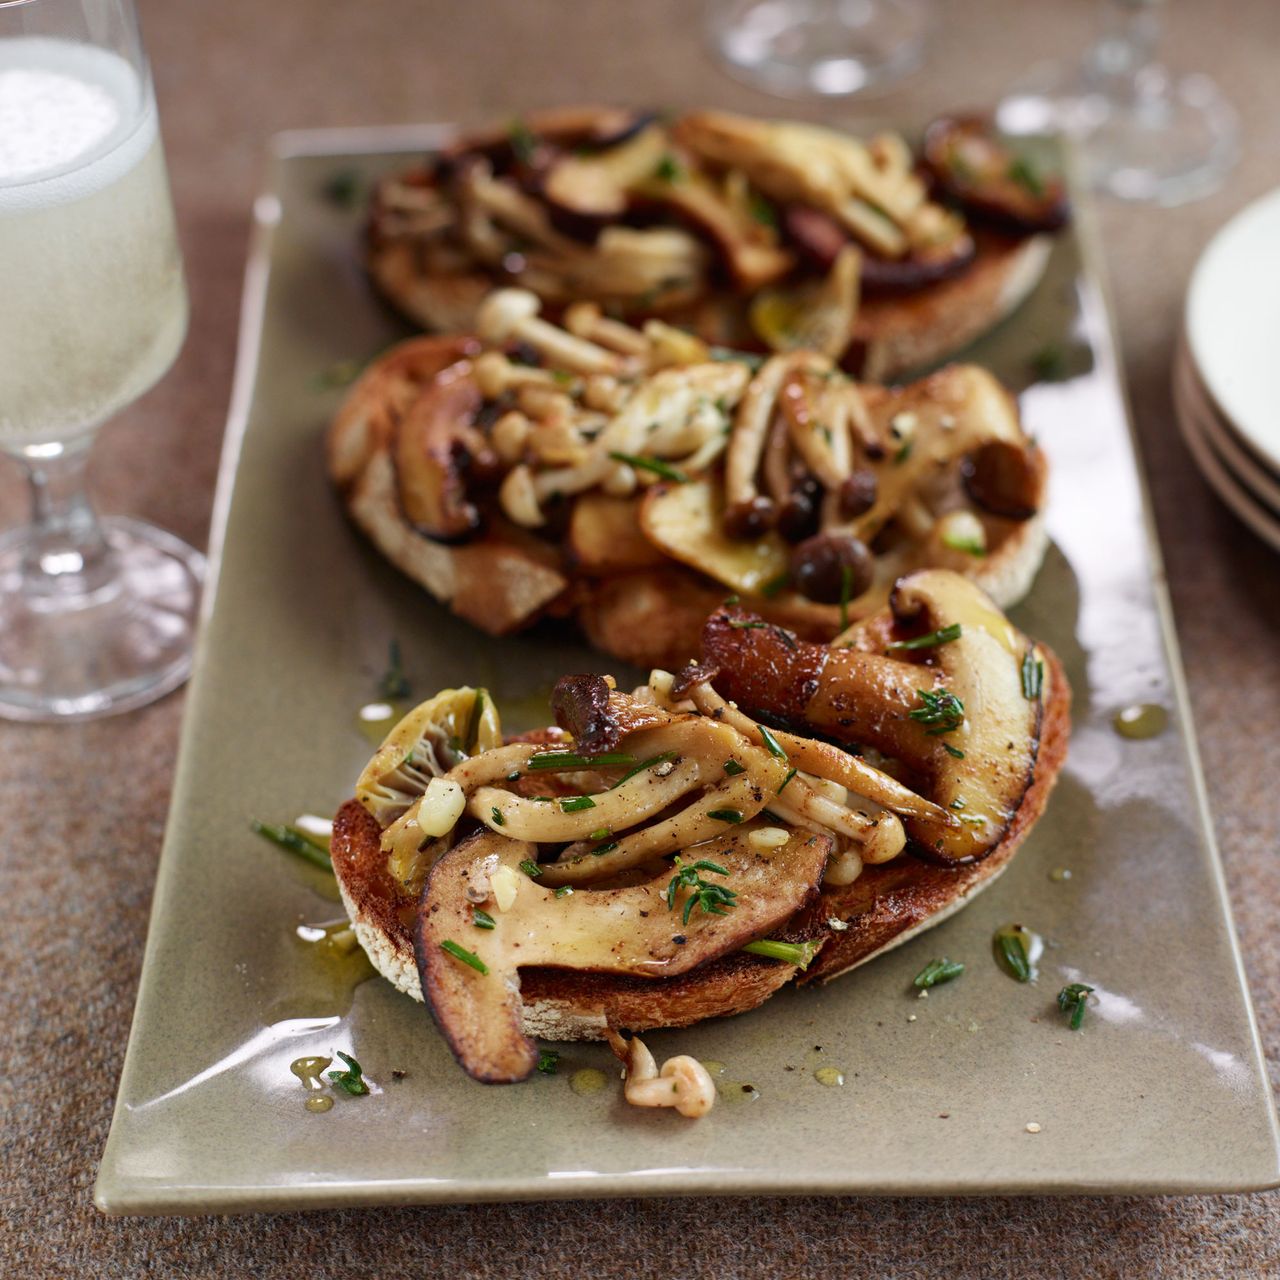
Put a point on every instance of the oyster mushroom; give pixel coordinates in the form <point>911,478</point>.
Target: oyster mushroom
<point>475,998</point>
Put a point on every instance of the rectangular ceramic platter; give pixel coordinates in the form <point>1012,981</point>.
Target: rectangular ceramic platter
<point>1162,1091</point>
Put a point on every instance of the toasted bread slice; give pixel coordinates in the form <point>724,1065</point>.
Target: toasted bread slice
<point>894,333</point>
<point>885,906</point>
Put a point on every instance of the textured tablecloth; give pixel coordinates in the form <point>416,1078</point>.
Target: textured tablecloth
<point>82,809</point>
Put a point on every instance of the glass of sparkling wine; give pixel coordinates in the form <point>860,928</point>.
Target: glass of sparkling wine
<point>96,615</point>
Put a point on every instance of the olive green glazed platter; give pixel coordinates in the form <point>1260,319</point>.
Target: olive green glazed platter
<point>982,1087</point>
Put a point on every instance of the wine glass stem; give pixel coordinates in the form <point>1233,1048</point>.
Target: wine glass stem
<point>66,552</point>
<point>1129,40</point>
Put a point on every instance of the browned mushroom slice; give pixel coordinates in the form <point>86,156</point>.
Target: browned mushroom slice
<point>435,443</point>
<point>972,165</point>
<point>957,716</point>
<point>470,976</point>
<point>586,192</point>
<point>923,266</point>
<point>750,247</point>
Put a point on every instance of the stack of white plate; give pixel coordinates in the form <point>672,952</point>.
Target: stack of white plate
<point>1226,377</point>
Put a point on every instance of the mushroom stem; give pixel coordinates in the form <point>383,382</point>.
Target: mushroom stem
<point>511,315</point>
<point>683,1083</point>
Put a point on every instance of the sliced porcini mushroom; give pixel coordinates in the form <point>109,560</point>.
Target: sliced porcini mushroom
<point>971,164</point>
<point>585,192</point>
<point>436,444</point>
<point>975,757</point>
<point>367,420</point>
<point>475,997</point>
<point>687,523</point>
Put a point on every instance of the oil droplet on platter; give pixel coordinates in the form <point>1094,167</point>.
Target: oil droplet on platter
<point>736,1091</point>
<point>376,719</point>
<point>1059,874</point>
<point>587,1081</point>
<point>318,1105</point>
<point>832,1077</point>
<point>1141,720</point>
<point>713,1068</point>
<point>308,1070</point>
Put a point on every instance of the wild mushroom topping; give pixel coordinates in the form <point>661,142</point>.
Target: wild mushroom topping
<point>683,1083</point>
<point>627,930</point>
<point>873,194</point>
<point>953,716</point>
<point>972,165</point>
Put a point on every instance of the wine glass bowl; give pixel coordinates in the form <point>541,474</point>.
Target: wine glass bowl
<point>1142,132</point>
<point>794,48</point>
<point>96,616</point>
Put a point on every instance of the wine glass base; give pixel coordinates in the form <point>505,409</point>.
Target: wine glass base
<point>797,48</point>
<point>1169,140</point>
<point>70,657</point>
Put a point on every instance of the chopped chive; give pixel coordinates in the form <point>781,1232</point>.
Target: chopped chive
<point>498,819</point>
<point>904,453</point>
<point>668,169</point>
<point>747,624</point>
<point>733,768</point>
<point>1024,174</point>
<point>770,815</point>
<point>482,919</point>
<point>572,760</point>
<point>725,815</point>
<point>352,1079</point>
<point>575,804</point>
<point>643,765</point>
<point>531,869</point>
<point>548,1060</point>
<point>791,774</point>
<point>775,585</point>
<point>393,684</point>
<point>1014,954</point>
<point>944,635</point>
<point>786,637</point>
<point>523,143</point>
<point>600,833</point>
<point>656,466</point>
<point>954,752</point>
<point>604,848</point>
<point>564,891</point>
<point>295,842</point>
<point>772,743</point>
<point>937,971</point>
<point>798,953</point>
<point>1073,999</point>
<point>467,957</point>
<point>514,776</point>
<point>341,188</point>
<point>1032,675</point>
<point>940,710</point>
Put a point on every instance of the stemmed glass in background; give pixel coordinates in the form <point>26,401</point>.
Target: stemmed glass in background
<point>1143,133</point>
<point>96,615</point>
<point>830,47</point>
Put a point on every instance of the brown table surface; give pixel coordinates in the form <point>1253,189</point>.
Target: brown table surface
<point>83,808</point>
